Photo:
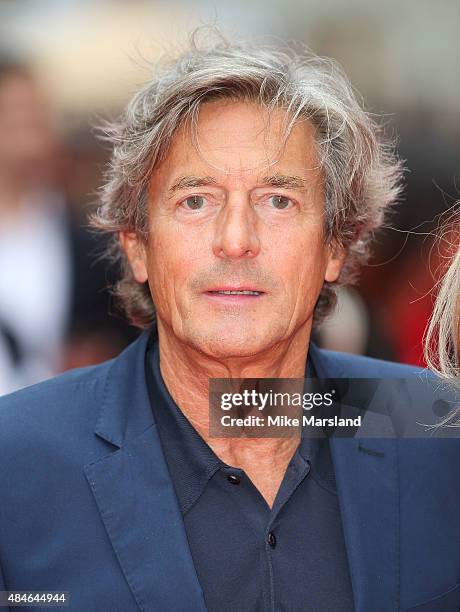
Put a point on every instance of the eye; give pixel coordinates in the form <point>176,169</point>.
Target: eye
<point>194,202</point>
<point>280,202</point>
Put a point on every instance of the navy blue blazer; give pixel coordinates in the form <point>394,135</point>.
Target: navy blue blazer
<point>87,505</point>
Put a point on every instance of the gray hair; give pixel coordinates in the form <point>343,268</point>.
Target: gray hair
<point>361,171</point>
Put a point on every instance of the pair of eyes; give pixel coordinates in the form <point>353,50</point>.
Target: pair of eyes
<point>277,202</point>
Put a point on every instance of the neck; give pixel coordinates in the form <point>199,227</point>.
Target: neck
<point>186,372</point>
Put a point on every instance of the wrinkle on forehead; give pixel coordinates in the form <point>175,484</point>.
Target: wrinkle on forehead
<point>242,142</point>
<point>260,141</point>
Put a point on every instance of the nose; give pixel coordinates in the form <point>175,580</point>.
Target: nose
<point>236,233</point>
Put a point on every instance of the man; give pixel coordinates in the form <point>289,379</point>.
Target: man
<point>244,185</point>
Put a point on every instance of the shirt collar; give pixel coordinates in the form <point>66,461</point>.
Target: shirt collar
<point>191,461</point>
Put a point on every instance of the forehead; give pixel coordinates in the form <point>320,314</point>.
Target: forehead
<point>240,140</point>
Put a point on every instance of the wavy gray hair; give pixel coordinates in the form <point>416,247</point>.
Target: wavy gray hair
<point>361,171</point>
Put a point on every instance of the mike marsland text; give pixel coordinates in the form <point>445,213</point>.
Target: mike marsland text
<point>285,421</point>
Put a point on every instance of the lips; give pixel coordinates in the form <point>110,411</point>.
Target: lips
<point>235,290</point>
<point>228,294</point>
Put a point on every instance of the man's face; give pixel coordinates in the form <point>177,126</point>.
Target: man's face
<point>240,210</point>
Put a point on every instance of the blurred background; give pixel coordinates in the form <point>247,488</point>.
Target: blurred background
<point>64,65</point>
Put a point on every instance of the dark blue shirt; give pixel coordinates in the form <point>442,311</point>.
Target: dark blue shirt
<point>250,557</point>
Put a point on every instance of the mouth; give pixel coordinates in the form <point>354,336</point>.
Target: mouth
<point>235,292</point>
<point>235,295</point>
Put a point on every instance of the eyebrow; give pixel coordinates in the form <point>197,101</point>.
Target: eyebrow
<point>281,181</point>
<point>186,182</point>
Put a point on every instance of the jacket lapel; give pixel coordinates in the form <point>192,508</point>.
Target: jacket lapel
<point>135,495</point>
<point>367,476</point>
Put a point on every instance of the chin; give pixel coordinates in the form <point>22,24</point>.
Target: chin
<point>229,350</point>
<point>228,344</point>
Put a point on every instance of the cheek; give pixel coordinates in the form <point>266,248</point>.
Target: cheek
<point>300,260</point>
<point>172,260</point>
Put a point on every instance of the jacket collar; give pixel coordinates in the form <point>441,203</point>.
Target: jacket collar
<point>125,410</point>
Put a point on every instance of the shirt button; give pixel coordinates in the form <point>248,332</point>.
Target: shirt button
<point>271,539</point>
<point>233,479</point>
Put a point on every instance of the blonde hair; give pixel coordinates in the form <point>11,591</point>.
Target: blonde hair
<point>442,340</point>
<point>442,337</point>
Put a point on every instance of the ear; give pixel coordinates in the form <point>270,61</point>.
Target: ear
<point>135,252</point>
<point>336,259</point>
